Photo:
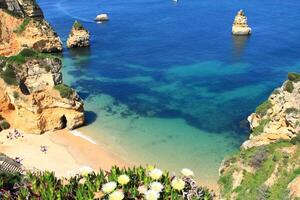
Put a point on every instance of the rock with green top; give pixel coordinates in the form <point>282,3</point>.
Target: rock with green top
<point>79,36</point>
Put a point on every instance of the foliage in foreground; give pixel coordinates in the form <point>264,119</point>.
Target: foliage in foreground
<point>117,184</point>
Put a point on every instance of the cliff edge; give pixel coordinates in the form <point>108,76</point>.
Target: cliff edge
<point>22,25</point>
<point>268,164</point>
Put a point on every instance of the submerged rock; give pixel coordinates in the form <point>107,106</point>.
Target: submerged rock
<point>79,36</point>
<point>240,26</point>
<point>102,17</point>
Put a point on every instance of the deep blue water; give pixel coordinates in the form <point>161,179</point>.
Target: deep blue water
<point>167,83</point>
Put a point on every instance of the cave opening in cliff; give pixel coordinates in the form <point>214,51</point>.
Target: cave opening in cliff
<point>63,121</point>
<point>24,88</point>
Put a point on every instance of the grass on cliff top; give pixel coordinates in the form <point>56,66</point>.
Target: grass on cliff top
<point>264,160</point>
<point>78,26</point>
<point>27,54</point>
<point>64,90</point>
<point>22,26</point>
<point>294,77</point>
<point>263,108</point>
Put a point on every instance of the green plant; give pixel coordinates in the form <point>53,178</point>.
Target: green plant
<point>260,128</point>
<point>64,90</point>
<point>294,77</point>
<point>16,95</point>
<point>289,87</point>
<point>4,124</point>
<point>296,140</point>
<point>78,26</point>
<point>263,108</point>
<point>45,185</point>
<point>9,76</point>
<point>291,110</point>
<point>22,26</point>
<point>259,157</point>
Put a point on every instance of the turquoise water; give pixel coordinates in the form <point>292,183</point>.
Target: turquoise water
<point>167,83</point>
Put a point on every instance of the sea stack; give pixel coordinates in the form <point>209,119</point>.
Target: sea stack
<point>102,17</point>
<point>240,26</point>
<point>79,36</point>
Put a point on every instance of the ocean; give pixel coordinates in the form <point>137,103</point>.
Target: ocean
<point>166,83</point>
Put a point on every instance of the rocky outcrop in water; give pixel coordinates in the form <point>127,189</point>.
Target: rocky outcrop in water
<point>268,164</point>
<point>79,36</point>
<point>240,25</point>
<point>102,17</point>
<point>22,25</point>
<point>32,94</point>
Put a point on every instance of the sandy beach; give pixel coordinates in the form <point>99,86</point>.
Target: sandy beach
<point>66,153</point>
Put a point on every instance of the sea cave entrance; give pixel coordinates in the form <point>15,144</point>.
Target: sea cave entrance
<point>63,122</point>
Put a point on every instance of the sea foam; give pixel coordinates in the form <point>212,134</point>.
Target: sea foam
<point>79,134</point>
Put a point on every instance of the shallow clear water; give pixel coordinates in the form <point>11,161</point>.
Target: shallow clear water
<point>167,83</point>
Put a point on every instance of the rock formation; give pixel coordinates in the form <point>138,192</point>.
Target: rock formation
<point>268,165</point>
<point>33,98</point>
<point>78,37</point>
<point>102,17</point>
<point>22,25</point>
<point>240,26</point>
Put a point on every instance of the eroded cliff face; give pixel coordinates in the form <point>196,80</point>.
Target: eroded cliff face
<point>268,164</point>
<point>22,25</point>
<point>33,97</point>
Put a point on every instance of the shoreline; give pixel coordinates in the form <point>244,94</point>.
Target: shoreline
<point>72,151</point>
<point>66,153</point>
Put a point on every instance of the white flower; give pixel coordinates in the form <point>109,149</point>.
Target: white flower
<point>85,170</point>
<point>155,174</point>
<point>178,184</point>
<point>187,172</point>
<point>116,195</point>
<point>151,195</point>
<point>156,186</point>
<point>109,187</point>
<point>123,179</point>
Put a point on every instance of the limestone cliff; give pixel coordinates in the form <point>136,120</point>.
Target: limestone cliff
<point>32,96</point>
<point>22,25</point>
<point>268,164</point>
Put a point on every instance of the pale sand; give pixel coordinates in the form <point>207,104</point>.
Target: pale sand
<point>65,155</point>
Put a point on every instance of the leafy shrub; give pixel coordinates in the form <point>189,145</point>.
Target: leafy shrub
<point>259,157</point>
<point>289,87</point>
<point>8,180</point>
<point>19,59</point>
<point>291,110</point>
<point>263,193</point>
<point>9,76</point>
<point>22,27</point>
<point>44,185</point>
<point>64,90</point>
<point>296,140</point>
<point>263,108</point>
<point>294,77</point>
<point>4,125</point>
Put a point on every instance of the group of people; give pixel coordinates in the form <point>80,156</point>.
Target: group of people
<point>14,135</point>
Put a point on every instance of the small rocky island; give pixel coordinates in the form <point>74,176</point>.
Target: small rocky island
<point>240,25</point>
<point>102,17</point>
<point>79,36</point>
